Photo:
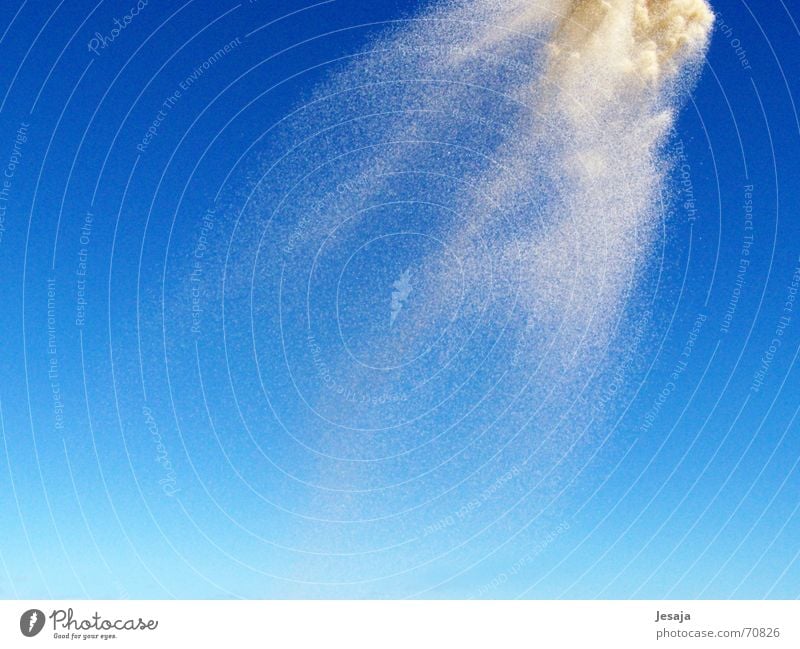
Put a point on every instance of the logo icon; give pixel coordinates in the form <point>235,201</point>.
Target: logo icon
<point>31,622</point>
<point>402,289</point>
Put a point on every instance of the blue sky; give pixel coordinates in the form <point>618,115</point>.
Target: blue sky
<point>151,453</point>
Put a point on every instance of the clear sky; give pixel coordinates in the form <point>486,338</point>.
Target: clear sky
<point>206,391</point>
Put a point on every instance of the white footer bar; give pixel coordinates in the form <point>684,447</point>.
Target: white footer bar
<point>400,624</point>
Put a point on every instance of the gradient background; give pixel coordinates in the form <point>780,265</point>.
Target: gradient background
<point>142,459</point>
